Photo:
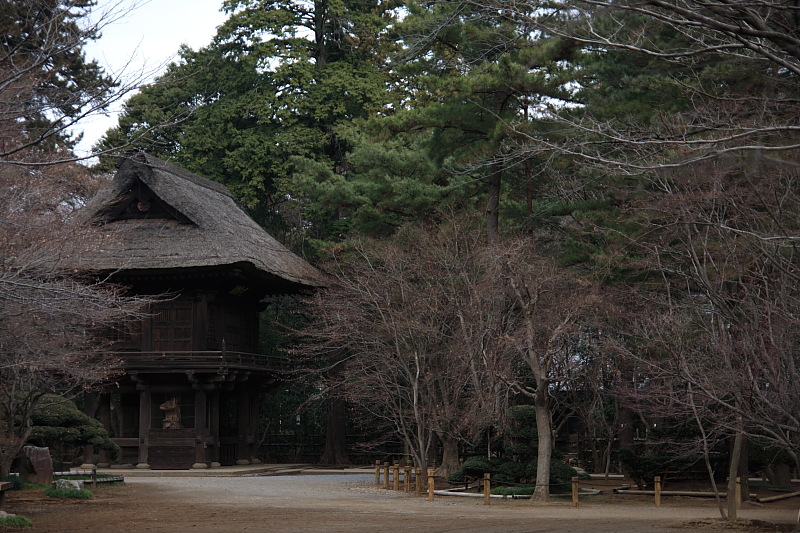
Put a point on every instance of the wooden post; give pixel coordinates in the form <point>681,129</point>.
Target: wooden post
<point>104,416</point>
<point>377,472</point>
<point>200,415</point>
<point>90,404</point>
<point>738,492</point>
<point>574,491</point>
<point>255,415</point>
<point>144,428</point>
<point>657,490</point>
<point>214,428</point>
<point>94,478</point>
<point>243,426</point>
<point>430,484</point>
<point>406,479</point>
<point>396,474</point>
<point>418,481</point>
<point>487,488</point>
<point>386,475</point>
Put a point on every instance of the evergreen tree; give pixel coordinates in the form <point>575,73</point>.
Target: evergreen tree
<point>473,79</point>
<point>46,82</point>
<point>266,96</point>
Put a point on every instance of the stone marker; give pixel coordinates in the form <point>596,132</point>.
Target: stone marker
<point>36,465</point>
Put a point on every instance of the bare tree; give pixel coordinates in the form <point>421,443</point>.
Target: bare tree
<point>53,320</point>
<point>552,304</point>
<point>423,323</point>
<point>721,327</point>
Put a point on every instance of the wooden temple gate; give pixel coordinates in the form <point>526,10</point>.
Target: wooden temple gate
<point>193,375</point>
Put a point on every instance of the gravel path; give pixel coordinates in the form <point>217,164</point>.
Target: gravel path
<point>352,503</point>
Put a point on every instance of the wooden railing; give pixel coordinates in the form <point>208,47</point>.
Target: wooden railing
<point>201,360</point>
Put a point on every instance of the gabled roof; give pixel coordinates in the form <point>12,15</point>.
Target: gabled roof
<point>156,216</point>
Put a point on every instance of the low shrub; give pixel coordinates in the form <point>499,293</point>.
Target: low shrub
<point>15,521</point>
<point>513,491</point>
<point>508,471</point>
<point>65,494</point>
<point>560,475</point>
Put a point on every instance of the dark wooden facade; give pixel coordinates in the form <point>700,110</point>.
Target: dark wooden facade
<point>200,349</point>
<point>193,373</point>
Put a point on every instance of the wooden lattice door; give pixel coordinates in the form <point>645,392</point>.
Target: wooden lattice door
<point>172,327</point>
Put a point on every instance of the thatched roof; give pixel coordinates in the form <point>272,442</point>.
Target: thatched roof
<point>156,216</point>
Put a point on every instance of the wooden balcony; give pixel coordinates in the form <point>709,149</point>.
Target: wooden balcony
<point>218,361</point>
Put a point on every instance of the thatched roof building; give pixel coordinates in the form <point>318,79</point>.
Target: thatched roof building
<point>194,367</point>
<point>158,217</point>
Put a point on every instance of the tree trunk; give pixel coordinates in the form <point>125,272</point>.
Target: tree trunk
<point>450,461</point>
<point>335,433</point>
<point>744,469</point>
<point>320,14</point>
<point>626,428</point>
<point>733,472</point>
<point>596,459</point>
<point>545,448</point>
<point>493,203</point>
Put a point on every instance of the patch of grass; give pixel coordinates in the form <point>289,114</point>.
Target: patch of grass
<point>64,494</point>
<point>15,521</point>
<point>513,491</point>
<point>35,486</point>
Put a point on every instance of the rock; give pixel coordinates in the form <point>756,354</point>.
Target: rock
<point>37,465</point>
<point>69,484</point>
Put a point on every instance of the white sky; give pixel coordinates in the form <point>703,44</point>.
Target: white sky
<point>145,40</point>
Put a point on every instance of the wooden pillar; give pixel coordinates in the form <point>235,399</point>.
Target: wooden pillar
<point>243,422</point>
<point>144,427</point>
<point>200,414</point>
<point>104,416</point>
<point>214,433</point>
<point>90,402</point>
<point>252,428</point>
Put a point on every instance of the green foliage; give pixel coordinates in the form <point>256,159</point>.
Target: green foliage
<point>57,422</point>
<point>67,494</point>
<point>561,474</point>
<point>513,491</point>
<point>504,470</point>
<point>47,80</point>
<point>15,521</point>
<point>259,108</point>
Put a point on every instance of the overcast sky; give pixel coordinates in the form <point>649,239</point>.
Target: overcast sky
<point>148,38</point>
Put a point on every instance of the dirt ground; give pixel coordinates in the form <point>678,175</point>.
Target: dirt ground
<point>352,503</point>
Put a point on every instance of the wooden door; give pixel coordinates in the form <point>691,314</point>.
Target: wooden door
<point>172,326</point>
